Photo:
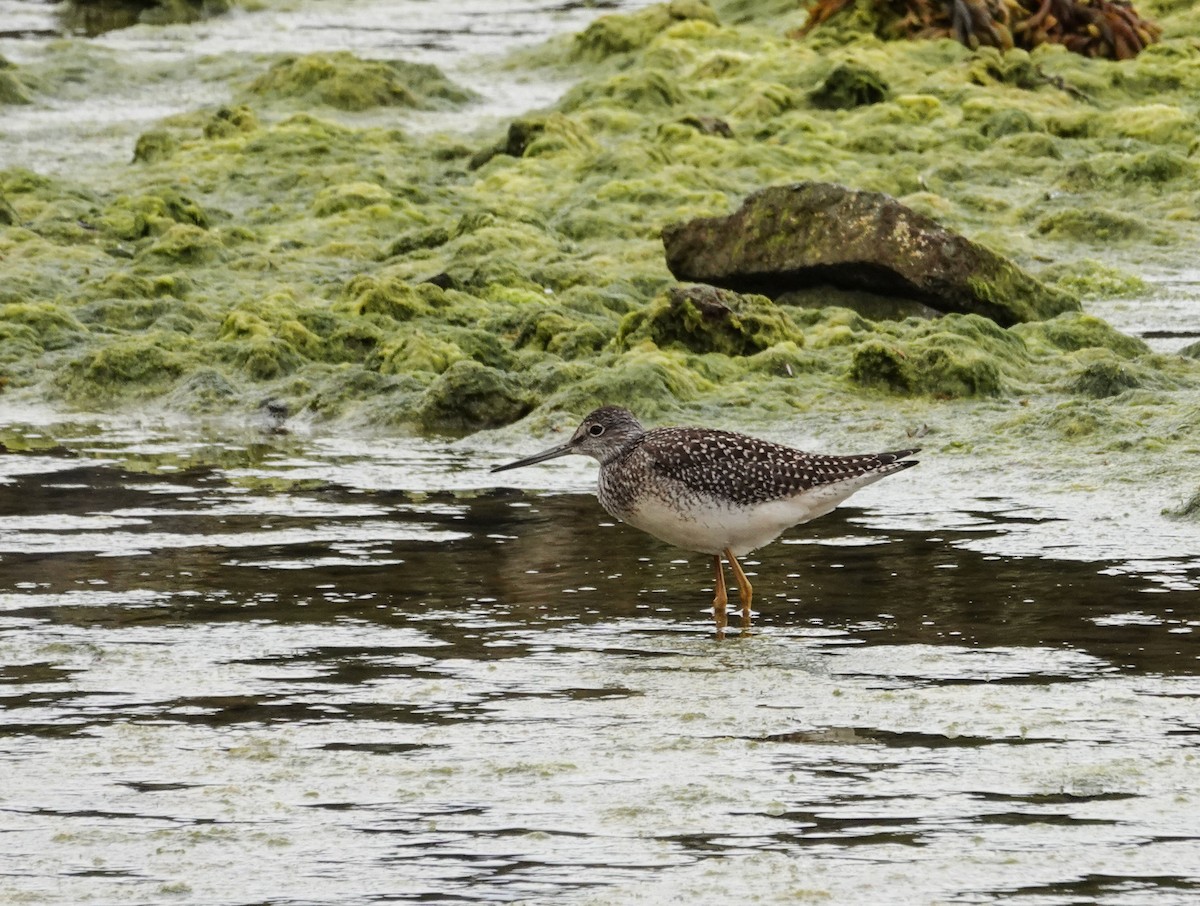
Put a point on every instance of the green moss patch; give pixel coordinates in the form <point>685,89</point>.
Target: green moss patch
<point>345,82</point>
<point>706,319</point>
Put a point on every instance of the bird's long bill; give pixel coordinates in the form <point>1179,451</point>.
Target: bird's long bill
<point>560,450</point>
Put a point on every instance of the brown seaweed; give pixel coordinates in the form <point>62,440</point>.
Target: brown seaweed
<point>1094,28</point>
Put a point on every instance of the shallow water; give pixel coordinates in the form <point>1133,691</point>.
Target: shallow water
<point>305,667</point>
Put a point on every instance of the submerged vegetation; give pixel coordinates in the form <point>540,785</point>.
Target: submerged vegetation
<point>452,282</point>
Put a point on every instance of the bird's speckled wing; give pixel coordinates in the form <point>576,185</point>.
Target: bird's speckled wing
<point>746,470</point>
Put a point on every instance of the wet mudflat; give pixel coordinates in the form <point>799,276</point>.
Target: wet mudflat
<point>319,671</point>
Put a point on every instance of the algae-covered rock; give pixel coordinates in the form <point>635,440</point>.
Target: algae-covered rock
<point>203,390</point>
<point>1074,331</point>
<point>348,197</point>
<point>1099,227</point>
<point>958,356</point>
<point>386,295</point>
<point>152,214</point>
<point>706,319</point>
<point>849,85</point>
<point>788,238</point>
<point>154,145</point>
<point>645,90</point>
<point>47,325</point>
<point>705,125</point>
<point>8,214</point>
<point>125,285</point>
<point>626,32</point>
<point>553,330</point>
<point>415,351</point>
<point>537,135</point>
<point>1091,279</point>
<point>185,244</point>
<point>140,366</point>
<point>229,121</point>
<point>469,396</point>
<point>346,82</point>
<point>117,314</point>
<point>1009,67</point>
<point>1105,375</point>
<point>652,381</point>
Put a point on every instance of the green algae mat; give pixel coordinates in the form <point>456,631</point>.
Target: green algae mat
<point>296,244</point>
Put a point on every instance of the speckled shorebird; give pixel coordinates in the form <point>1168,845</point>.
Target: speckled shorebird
<point>715,492</point>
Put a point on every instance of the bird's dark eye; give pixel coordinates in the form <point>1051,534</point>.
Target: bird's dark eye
<point>596,430</point>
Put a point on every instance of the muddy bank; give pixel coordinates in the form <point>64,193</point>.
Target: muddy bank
<point>298,244</point>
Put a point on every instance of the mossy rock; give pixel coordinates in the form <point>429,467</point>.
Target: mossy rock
<point>469,396</point>
<point>1008,67</point>
<point>1030,146</point>
<point>141,367</point>
<point>413,352</point>
<point>152,214</point>
<point>386,295</point>
<point>953,357</point>
<point>20,180</point>
<point>354,342</point>
<point>231,121</point>
<point>850,85</point>
<point>651,382</point>
<point>1105,375</point>
<point>790,238</point>
<point>1097,227</point>
<point>141,314</point>
<point>881,365</point>
<point>155,145</point>
<point>416,239</point>
<point>534,136</point>
<point>553,331</point>
<point>785,359</point>
<point>346,82</point>
<point>264,358</point>
<point>707,319</point>
<point>349,197</point>
<point>1010,121</point>
<point>948,366</point>
<point>273,318</point>
<point>124,285</point>
<point>185,244</point>
<point>1091,279</point>
<point>1073,331</point>
<point>49,326</point>
<point>643,90</point>
<point>1157,166</point>
<point>626,32</point>
<point>204,390</point>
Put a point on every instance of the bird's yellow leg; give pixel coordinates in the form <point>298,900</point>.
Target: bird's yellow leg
<point>720,598</point>
<point>745,589</point>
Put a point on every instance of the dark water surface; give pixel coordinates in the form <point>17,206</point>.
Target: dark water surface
<point>274,680</point>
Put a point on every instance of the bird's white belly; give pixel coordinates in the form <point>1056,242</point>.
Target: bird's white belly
<point>711,527</point>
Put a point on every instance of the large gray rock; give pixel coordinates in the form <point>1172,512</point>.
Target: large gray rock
<point>791,238</point>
